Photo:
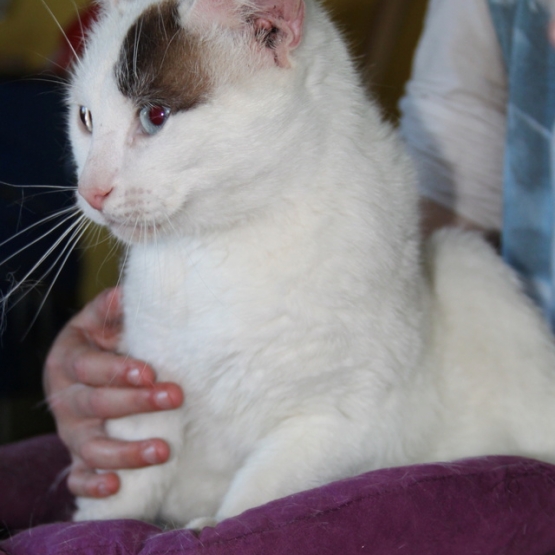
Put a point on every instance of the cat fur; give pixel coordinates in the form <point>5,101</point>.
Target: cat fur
<point>276,270</point>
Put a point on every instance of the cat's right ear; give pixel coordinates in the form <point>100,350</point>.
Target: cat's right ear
<point>276,25</point>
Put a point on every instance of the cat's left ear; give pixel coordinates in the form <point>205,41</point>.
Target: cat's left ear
<point>277,25</point>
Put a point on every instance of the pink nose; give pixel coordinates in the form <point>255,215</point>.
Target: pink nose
<point>95,196</point>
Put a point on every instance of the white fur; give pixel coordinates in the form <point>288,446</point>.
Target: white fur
<point>289,295</point>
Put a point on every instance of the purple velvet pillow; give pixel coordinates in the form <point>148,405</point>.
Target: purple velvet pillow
<point>491,505</point>
<point>32,483</point>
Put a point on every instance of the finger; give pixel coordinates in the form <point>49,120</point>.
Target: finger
<point>77,339</point>
<point>104,307</point>
<point>84,482</point>
<point>111,402</point>
<point>111,454</point>
<point>100,321</point>
<point>102,368</point>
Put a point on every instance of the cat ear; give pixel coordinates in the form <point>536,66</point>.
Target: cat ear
<point>277,25</point>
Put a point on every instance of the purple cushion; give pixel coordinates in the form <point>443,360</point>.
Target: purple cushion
<point>32,483</point>
<point>488,505</point>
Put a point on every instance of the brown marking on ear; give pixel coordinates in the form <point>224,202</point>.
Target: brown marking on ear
<point>162,63</point>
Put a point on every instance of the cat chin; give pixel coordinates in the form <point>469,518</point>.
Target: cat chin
<point>136,234</point>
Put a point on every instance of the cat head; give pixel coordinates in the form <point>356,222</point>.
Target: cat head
<point>180,109</point>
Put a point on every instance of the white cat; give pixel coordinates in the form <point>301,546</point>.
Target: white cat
<point>275,267</point>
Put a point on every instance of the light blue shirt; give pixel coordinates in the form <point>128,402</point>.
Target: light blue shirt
<point>528,188</point>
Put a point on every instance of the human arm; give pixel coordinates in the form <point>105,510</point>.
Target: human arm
<point>453,116</point>
<point>86,382</point>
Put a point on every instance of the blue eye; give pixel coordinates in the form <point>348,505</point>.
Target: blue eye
<point>153,118</point>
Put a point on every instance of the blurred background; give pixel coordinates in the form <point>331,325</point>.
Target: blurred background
<point>34,151</point>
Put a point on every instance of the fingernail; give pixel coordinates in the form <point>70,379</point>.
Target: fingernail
<point>163,400</point>
<point>134,376</point>
<point>102,489</point>
<point>150,455</point>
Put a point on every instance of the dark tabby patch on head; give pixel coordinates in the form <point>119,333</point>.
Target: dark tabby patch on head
<point>159,62</point>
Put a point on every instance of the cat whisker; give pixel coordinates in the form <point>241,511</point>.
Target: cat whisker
<point>138,32</point>
<point>98,236</point>
<point>67,249</point>
<point>170,223</point>
<point>54,188</point>
<point>136,225</point>
<point>155,239</point>
<point>142,231</point>
<point>139,301</point>
<point>72,213</point>
<point>57,79</point>
<point>124,259</point>
<point>33,196</point>
<point>47,7</point>
<point>97,239</point>
<point>75,231</point>
<point>169,43</point>
<point>26,196</point>
<point>51,78</point>
<point>78,16</point>
<point>113,248</point>
<point>75,227</point>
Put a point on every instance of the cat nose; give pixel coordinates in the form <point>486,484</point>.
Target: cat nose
<point>96,196</point>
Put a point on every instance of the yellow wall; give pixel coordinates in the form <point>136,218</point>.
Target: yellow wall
<point>29,34</point>
<point>398,24</point>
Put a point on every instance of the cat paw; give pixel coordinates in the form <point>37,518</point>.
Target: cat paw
<point>198,524</point>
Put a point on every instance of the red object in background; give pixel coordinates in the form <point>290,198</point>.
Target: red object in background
<point>74,40</point>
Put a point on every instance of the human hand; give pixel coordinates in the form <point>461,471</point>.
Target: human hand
<point>86,382</point>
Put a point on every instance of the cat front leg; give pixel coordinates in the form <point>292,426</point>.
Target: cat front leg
<point>143,490</point>
<point>304,452</point>
<point>140,496</point>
